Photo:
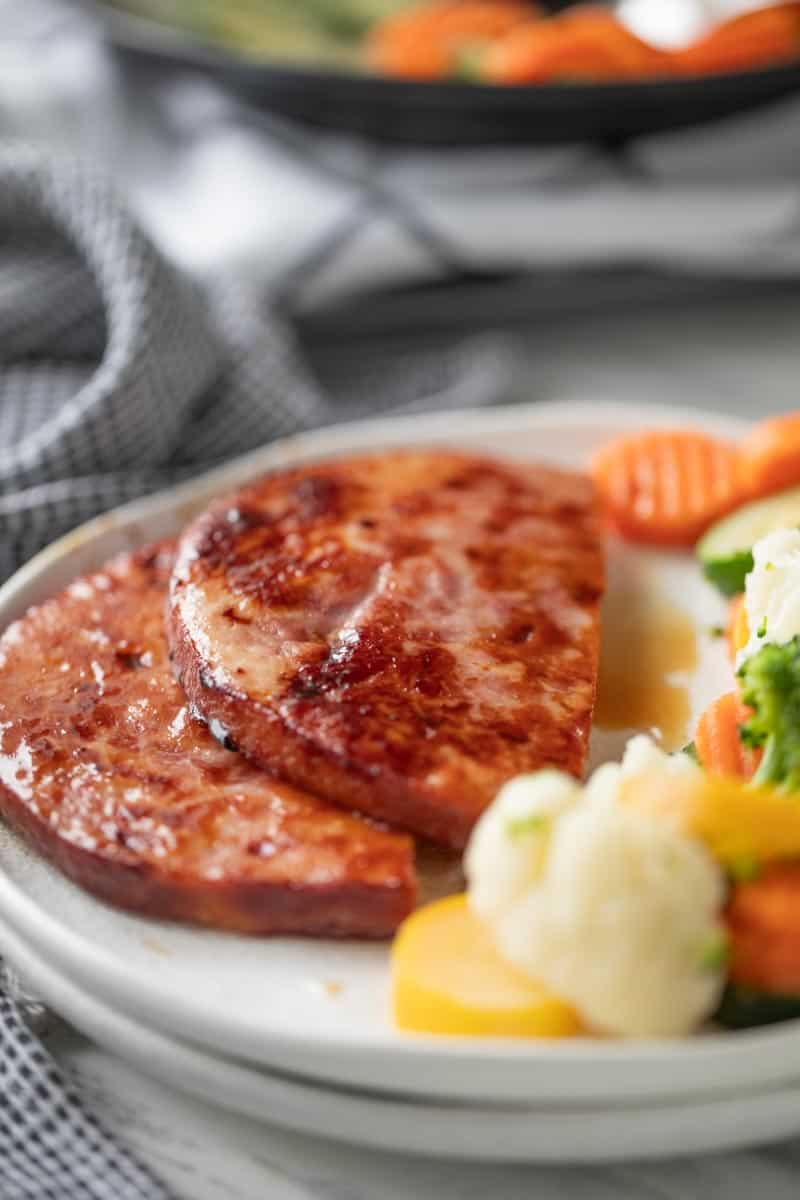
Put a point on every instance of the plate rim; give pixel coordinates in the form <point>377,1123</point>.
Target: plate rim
<point>199,1075</point>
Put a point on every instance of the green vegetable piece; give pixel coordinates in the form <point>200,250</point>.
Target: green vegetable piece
<point>717,631</point>
<point>728,575</point>
<point>691,752</point>
<point>714,954</point>
<point>771,687</point>
<point>745,870</point>
<point>762,629</point>
<point>725,551</point>
<point>519,826</point>
<point>468,64</point>
<point>742,1008</point>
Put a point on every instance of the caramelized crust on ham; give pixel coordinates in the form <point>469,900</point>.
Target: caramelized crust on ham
<point>400,633</point>
<point>105,769</point>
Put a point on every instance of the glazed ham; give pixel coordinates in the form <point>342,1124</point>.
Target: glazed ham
<point>399,633</point>
<point>105,769</point>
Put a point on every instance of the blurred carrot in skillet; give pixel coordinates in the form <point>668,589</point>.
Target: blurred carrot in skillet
<point>635,57</point>
<point>770,455</point>
<point>752,39</point>
<point>763,919</point>
<point>432,40</point>
<point>717,742</point>
<point>666,486</point>
<point>546,54</point>
<point>513,42</point>
<point>589,44</point>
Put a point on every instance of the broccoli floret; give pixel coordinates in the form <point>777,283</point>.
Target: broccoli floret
<point>771,687</point>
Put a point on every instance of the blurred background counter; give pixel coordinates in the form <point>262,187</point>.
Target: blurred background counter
<point>664,270</point>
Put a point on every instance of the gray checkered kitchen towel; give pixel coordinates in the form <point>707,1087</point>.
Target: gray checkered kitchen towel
<point>51,1146</point>
<point>118,376</point>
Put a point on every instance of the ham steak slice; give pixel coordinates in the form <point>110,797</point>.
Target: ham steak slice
<point>400,632</point>
<point>106,770</point>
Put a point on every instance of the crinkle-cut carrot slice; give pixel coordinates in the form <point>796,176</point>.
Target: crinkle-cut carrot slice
<point>666,486</point>
<point>770,455</point>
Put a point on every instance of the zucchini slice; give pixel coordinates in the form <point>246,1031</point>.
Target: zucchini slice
<point>742,1008</point>
<point>725,551</point>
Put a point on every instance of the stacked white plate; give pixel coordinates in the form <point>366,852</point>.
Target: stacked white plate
<point>297,1032</point>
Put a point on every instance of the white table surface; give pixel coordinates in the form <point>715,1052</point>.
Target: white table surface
<point>206,1154</point>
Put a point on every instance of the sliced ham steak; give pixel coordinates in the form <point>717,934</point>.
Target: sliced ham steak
<point>104,768</point>
<point>399,633</point>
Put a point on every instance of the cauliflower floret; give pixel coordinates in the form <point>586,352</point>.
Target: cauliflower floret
<point>643,755</point>
<point>508,846</point>
<point>614,910</point>
<point>771,591</point>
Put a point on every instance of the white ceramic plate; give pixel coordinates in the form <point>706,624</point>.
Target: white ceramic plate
<point>542,1134</point>
<point>270,1001</point>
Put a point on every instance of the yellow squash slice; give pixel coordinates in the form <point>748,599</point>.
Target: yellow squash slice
<point>448,978</point>
<point>739,823</point>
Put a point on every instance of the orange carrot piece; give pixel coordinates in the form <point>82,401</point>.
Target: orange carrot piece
<point>424,42</point>
<point>770,455</point>
<point>737,632</point>
<point>752,39</point>
<point>635,57</point>
<point>665,487</point>
<point>589,44</point>
<point>717,742</point>
<point>763,920</point>
<point>533,54</point>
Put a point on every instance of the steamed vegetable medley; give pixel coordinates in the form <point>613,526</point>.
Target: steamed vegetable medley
<point>664,893</point>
